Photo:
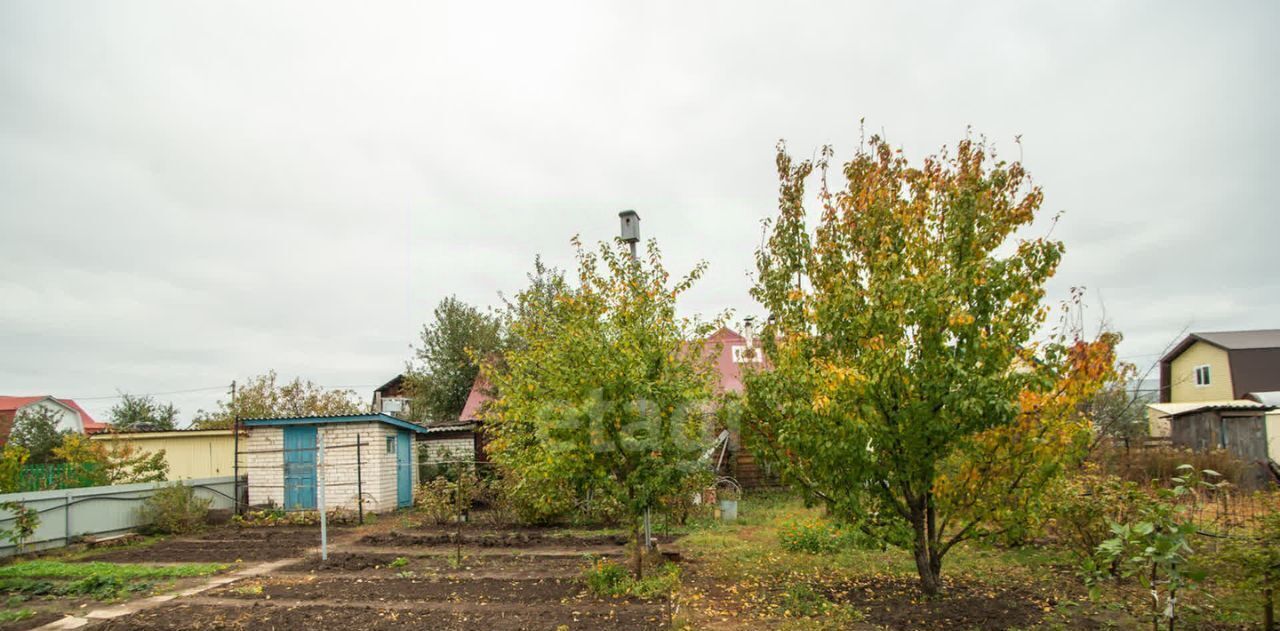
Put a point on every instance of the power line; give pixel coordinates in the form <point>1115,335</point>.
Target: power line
<point>149,394</point>
<point>206,389</point>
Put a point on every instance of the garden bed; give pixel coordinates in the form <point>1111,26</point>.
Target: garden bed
<point>365,617</point>
<point>226,544</point>
<point>406,589</point>
<point>380,579</point>
<point>496,539</point>
<point>374,564</point>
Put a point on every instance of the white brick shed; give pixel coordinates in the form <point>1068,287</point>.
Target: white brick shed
<point>281,457</point>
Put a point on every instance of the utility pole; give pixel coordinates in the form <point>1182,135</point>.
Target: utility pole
<point>630,225</point>
<point>235,458</point>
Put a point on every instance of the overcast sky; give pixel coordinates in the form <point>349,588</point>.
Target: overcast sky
<point>192,193</point>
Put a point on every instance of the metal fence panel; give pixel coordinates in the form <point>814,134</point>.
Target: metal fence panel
<point>97,510</point>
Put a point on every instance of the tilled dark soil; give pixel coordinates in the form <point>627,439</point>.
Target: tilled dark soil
<point>380,564</point>
<point>344,562</point>
<point>491,540</point>
<point>263,533</point>
<point>473,591</point>
<point>896,603</point>
<point>224,545</point>
<point>616,617</point>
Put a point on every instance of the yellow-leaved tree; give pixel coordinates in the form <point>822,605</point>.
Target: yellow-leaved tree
<point>906,390</point>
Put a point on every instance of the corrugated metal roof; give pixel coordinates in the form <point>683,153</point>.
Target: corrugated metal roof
<point>1265,398</point>
<point>333,418</point>
<point>1183,409</point>
<point>1175,409</point>
<point>107,435</point>
<point>452,427</point>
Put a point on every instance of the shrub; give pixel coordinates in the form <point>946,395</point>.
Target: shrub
<point>1083,507</point>
<point>12,458</point>
<point>275,516</point>
<point>819,536</point>
<point>174,509</point>
<point>1160,465</point>
<point>445,501</point>
<point>25,522</point>
<point>495,494</point>
<point>435,500</point>
<point>1256,557</point>
<point>1154,545</point>
<point>680,505</point>
<point>608,578</point>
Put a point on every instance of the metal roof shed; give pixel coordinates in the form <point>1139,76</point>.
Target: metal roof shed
<point>369,461</point>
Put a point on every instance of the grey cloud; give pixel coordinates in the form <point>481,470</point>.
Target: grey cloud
<point>197,192</point>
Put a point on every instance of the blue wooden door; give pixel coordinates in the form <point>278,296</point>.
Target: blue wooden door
<point>299,468</point>
<point>404,469</point>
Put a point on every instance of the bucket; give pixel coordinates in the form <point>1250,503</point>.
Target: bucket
<point>728,510</point>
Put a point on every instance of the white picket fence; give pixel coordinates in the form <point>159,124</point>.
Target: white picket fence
<point>67,514</point>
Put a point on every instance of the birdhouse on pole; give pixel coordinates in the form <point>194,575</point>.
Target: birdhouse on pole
<point>630,223</point>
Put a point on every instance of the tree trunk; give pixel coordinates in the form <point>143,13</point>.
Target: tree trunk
<point>930,581</point>
<point>928,563</point>
<point>639,560</point>
<point>1268,611</point>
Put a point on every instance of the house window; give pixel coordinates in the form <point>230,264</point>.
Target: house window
<point>1202,375</point>
<point>391,444</point>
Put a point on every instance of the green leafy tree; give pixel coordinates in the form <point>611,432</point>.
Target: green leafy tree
<point>36,429</point>
<point>603,394</point>
<point>447,352</point>
<point>262,397</point>
<point>1156,545</point>
<point>900,341</point>
<point>108,462</point>
<point>142,413</point>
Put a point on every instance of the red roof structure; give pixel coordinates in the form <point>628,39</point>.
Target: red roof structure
<point>725,344</point>
<point>9,407</point>
<point>476,399</point>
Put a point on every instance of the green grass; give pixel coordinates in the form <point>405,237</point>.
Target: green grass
<point>99,569</point>
<point>14,615</point>
<point>778,544</point>
<point>610,579</point>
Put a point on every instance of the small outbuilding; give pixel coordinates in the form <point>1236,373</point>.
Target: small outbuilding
<point>190,453</point>
<point>369,458</point>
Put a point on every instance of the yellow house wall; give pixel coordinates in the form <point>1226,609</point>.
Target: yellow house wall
<point>189,455</point>
<point>1183,388</point>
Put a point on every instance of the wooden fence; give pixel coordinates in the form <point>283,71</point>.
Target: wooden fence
<point>49,477</point>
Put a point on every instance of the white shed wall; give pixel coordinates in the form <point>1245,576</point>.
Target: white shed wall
<point>378,468</point>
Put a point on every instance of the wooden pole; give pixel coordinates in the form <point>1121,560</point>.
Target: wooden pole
<point>359,482</point>
<point>235,458</point>
<point>457,495</point>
